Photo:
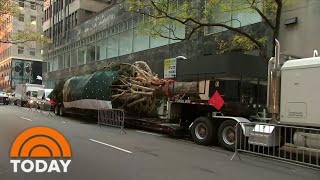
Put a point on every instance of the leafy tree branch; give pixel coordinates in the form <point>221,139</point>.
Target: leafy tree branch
<point>199,14</point>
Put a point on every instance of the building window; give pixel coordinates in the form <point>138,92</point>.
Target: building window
<point>45,66</point>
<point>125,42</point>
<point>33,20</point>
<point>74,57</point>
<point>20,49</point>
<point>32,51</point>
<point>82,55</point>
<point>238,15</point>
<point>158,41</point>
<point>21,4</point>
<point>178,31</point>
<point>55,63</point>
<point>75,18</point>
<point>91,52</point>
<point>33,5</point>
<point>60,61</point>
<point>140,41</point>
<point>112,46</point>
<point>101,49</point>
<point>21,17</point>
<point>67,60</point>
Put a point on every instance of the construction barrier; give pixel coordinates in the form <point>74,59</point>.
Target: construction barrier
<point>111,117</point>
<point>46,107</point>
<point>293,144</point>
<point>43,108</point>
<point>33,106</point>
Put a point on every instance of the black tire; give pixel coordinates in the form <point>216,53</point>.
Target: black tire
<point>225,141</point>
<point>56,110</point>
<point>19,103</point>
<point>24,103</point>
<point>209,135</point>
<point>61,110</point>
<point>230,144</point>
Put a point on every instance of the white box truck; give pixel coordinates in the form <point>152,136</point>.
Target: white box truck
<point>25,91</point>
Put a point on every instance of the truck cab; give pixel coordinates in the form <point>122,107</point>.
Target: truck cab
<point>292,101</point>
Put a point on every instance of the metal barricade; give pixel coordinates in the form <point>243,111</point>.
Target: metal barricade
<point>299,145</point>
<point>33,106</point>
<point>111,117</point>
<point>46,107</point>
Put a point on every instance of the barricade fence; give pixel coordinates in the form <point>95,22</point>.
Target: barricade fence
<point>33,106</point>
<point>293,144</point>
<point>46,107</point>
<point>40,108</point>
<point>111,117</point>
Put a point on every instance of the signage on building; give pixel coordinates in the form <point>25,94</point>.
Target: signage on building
<point>170,68</point>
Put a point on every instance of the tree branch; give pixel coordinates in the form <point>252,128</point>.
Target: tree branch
<point>264,17</point>
<point>196,24</point>
<point>278,15</point>
<point>193,31</point>
<point>158,33</point>
<point>14,42</point>
<point>258,44</point>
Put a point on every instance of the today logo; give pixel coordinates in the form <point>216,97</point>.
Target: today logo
<point>37,143</point>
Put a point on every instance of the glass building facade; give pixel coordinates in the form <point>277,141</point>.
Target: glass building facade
<point>121,37</point>
<point>117,40</point>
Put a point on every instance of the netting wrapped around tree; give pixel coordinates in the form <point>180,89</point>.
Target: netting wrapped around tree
<point>92,86</point>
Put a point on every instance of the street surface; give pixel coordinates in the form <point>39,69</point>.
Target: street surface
<point>108,153</point>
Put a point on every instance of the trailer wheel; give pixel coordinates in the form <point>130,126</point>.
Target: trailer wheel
<point>227,134</point>
<point>19,103</point>
<point>202,131</point>
<point>61,110</point>
<point>22,103</point>
<point>56,110</point>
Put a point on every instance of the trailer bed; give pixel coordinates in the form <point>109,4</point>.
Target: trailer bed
<point>156,125</point>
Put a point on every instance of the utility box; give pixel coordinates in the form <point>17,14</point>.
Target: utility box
<point>300,92</point>
<point>265,135</point>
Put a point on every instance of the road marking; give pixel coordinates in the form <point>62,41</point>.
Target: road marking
<point>153,134</point>
<point>26,119</point>
<point>110,146</point>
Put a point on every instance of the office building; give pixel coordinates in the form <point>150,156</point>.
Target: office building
<point>111,36</point>
<point>299,30</point>
<point>20,62</point>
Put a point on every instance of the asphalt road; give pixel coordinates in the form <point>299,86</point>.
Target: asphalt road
<point>108,153</point>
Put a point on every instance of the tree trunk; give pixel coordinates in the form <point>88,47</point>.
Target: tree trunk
<point>277,25</point>
<point>187,88</point>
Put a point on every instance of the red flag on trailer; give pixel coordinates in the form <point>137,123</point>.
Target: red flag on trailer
<point>216,101</point>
